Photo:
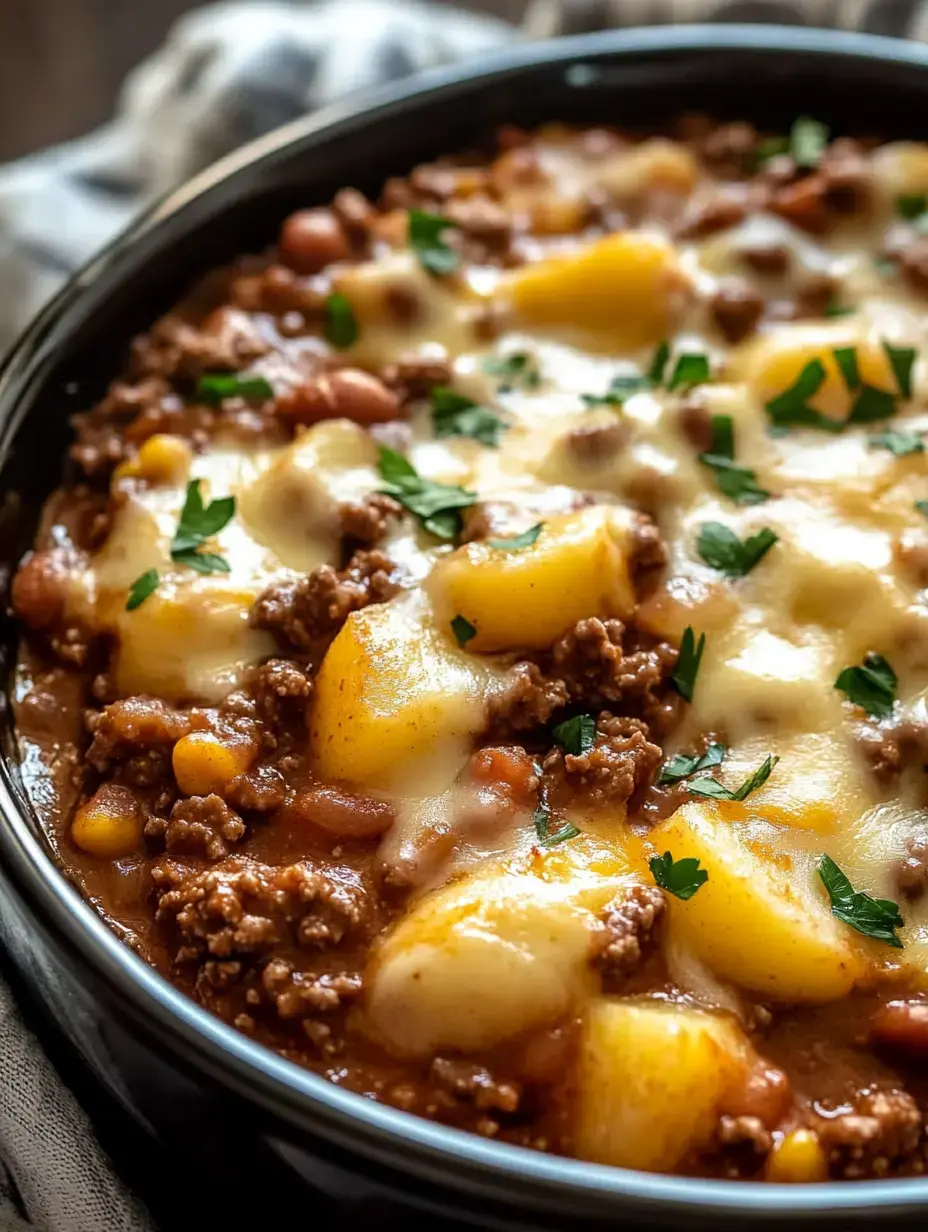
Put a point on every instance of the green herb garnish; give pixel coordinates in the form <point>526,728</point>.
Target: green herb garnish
<point>737,482</point>
<point>463,630</point>
<point>872,686</point>
<point>681,767</point>
<point>835,309</point>
<point>808,140</point>
<point>517,368</point>
<point>714,790</point>
<point>690,370</point>
<point>576,735</point>
<point>721,548</point>
<point>682,878</point>
<point>659,363</point>
<point>199,522</point>
<point>214,387</point>
<point>902,361</point>
<point>143,586</point>
<point>911,205</point>
<point>684,678</point>
<point>340,325</point>
<point>548,837</point>
<point>846,359</point>
<point>922,507</point>
<point>437,505</point>
<point>874,917</point>
<point>620,388</point>
<point>899,443</point>
<point>790,409</point>
<point>425,239</point>
<point>455,415</point>
<point>516,543</point>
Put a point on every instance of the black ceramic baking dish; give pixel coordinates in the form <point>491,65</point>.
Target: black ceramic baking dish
<point>140,1036</point>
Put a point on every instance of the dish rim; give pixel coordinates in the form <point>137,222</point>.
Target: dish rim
<point>430,1151</point>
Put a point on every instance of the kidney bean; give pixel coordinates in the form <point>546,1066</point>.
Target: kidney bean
<point>312,239</point>
<point>902,1025</point>
<point>342,813</point>
<point>348,393</point>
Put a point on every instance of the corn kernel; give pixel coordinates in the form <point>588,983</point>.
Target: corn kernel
<point>162,459</point>
<point>205,762</point>
<point>109,824</point>
<point>798,1158</point>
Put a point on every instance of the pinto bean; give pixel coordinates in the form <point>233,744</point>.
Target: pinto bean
<point>39,589</point>
<point>342,813</point>
<point>902,1025</point>
<point>312,239</point>
<point>348,393</point>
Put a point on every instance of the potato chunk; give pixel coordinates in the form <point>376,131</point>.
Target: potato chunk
<point>391,690</point>
<point>577,567</point>
<point>109,824</point>
<point>651,1080</point>
<point>500,951</point>
<point>758,921</point>
<point>624,288</point>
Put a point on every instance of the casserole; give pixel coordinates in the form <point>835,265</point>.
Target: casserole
<point>672,72</point>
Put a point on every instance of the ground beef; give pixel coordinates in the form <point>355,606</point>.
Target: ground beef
<point>889,748</point>
<point>594,664</point>
<point>885,1128</point>
<point>137,726</point>
<point>259,791</point>
<point>912,873</point>
<point>306,614</point>
<point>366,522</point>
<point>468,1081</point>
<point>621,763</point>
<point>40,586</point>
<point>528,702</point>
<point>243,907</point>
<point>736,308</point>
<point>226,341</point>
<point>281,690</point>
<point>647,553</point>
<point>595,444</point>
<point>913,261</point>
<point>694,420</point>
<point>724,207</point>
<point>198,826</point>
<point>300,994</point>
<point>628,923</point>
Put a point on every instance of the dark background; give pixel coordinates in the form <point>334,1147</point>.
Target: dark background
<point>62,61</point>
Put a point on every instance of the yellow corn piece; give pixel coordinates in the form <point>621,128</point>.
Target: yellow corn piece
<point>205,762</point>
<point>109,824</point>
<point>799,1157</point>
<point>162,459</point>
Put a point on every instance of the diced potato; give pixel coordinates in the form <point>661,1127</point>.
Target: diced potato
<point>577,567</point>
<point>162,459</point>
<point>190,642</point>
<point>901,168</point>
<point>799,1157</point>
<point>758,921</point>
<point>625,288</point>
<point>205,762</point>
<point>109,824</point>
<point>390,690</point>
<point>772,365</point>
<point>503,950</point>
<point>652,1077</point>
<point>653,165</point>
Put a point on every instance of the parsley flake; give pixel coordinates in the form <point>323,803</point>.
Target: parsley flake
<point>721,548</point>
<point>902,361</point>
<point>143,586</point>
<point>874,917</point>
<point>340,325</point>
<point>548,837</point>
<point>846,359</point>
<point>899,443</point>
<point>516,543</point>
<point>659,363</point>
<point>437,505</point>
<point>922,507</point>
<point>425,239</point>
<point>911,205</point>
<point>463,630</point>
<point>872,686</point>
<point>455,415</point>
<point>214,387</point>
<point>737,482</point>
<point>712,789</point>
<point>680,766</point>
<point>576,735</point>
<point>199,522</point>
<point>790,408</point>
<point>681,878</point>
<point>620,388</point>
<point>517,368</point>
<point>836,309</point>
<point>808,140</point>
<point>684,678</point>
<point>690,370</point>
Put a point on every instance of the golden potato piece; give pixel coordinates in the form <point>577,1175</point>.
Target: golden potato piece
<point>651,1080</point>
<point>625,288</point>
<point>758,921</point>
<point>109,824</point>
<point>500,951</point>
<point>577,567</point>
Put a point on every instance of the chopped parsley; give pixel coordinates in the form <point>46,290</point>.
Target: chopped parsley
<point>689,370</point>
<point>922,507</point>
<point>836,309</point>
<point>517,368</point>
<point>143,586</point>
<point>340,325</point>
<point>872,406</point>
<point>902,361</point>
<point>455,415</point>
<point>684,678</point>
<point>712,789</point>
<point>199,522</point>
<point>808,140</point>
<point>846,359</point>
<point>874,917</point>
<point>548,837</point>
<point>681,767</point>
<point>659,363</point>
<point>463,630</point>
<point>737,482</point>
<point>911,205</point>
<point>620,388</point>
<point>214,387</point>
<point>790,409</point>
<point>721,548</point>
<point>871,686</point>
<point>426,233</point>
<point>681,878</point>
<point>899,443</point>
<point>576,735</point>
<point>437,505</point>
<point>527,539</point>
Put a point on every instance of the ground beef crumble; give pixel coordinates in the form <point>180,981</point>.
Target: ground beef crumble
<point>199,825</point>
<point>884,1128</point>
<point>628,922</point>
<point>621,763</point>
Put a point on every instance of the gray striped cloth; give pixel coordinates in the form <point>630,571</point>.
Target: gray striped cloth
<point>227,74</point>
